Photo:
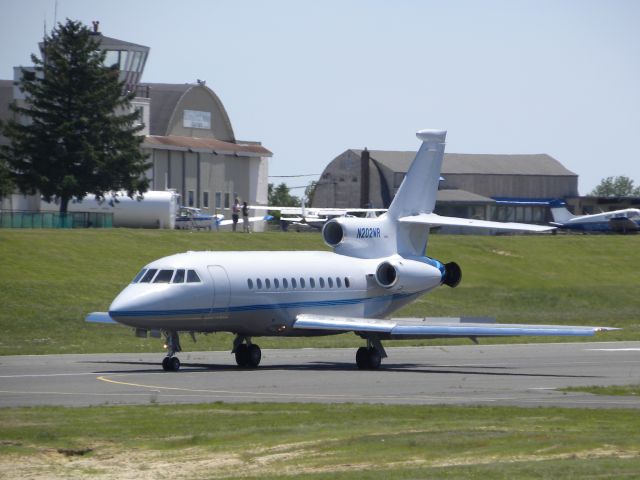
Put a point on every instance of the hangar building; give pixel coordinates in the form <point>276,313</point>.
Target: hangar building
<point>492,187</point>
<point>187,135</point>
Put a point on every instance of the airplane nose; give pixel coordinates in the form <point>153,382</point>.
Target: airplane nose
<point>122,304</point>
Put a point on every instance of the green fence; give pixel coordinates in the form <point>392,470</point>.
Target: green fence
<point>55,220</point>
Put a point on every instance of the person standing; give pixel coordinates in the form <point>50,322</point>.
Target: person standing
<point>235,211</point>
<point>245,217</point>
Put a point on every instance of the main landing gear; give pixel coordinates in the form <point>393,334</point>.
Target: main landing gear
<point>370,357</point>
<point>171,363</point>
<point>248,355</point>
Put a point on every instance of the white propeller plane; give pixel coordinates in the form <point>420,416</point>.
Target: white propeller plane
<point>304,216</point>
<point>620,221</point>
<point>378,265</point>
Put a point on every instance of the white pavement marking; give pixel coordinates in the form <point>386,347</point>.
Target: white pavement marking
<point>613,349</point>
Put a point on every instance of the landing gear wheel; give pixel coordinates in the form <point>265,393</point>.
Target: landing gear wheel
<point>254,355</point>
<point>242,355</point>
<point>374,358</point>
<point>368,358</point>
<point>171,364</point>
<point>362,358</point>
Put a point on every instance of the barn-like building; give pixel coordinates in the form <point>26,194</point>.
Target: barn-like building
<point>495,187</point>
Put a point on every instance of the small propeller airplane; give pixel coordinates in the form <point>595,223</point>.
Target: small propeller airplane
<point>305,217</point>
<point>377,266</point>
<point>619,221</point>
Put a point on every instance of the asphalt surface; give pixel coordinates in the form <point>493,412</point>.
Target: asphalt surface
<point>521,375</point>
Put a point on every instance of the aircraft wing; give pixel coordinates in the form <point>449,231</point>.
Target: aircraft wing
<point>433,327</point>
<point>433,219</point>
<point>99,317</point>
<point>316,211</point>
<point>222,223</point>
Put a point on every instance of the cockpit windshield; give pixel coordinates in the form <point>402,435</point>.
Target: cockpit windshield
<point>153,275</point>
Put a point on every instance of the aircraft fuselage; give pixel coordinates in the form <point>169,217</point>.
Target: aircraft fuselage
<point>261,293</point>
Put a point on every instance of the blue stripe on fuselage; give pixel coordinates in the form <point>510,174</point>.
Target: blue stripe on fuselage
<point>260,307</point>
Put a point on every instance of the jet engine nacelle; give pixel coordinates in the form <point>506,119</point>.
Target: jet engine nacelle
<point>360,237</point>
<point>400,274</point>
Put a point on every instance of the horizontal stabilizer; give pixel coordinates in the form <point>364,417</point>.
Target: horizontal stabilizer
<point>438,327</point>
<point>434,220</point>
<point>99,317</point>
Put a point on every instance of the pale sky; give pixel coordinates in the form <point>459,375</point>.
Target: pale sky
<point>311,79</point>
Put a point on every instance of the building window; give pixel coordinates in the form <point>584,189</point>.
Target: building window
<point>226,200</point>
<point>205,199</point>
<point>190,196</point>
<point>218,200</point>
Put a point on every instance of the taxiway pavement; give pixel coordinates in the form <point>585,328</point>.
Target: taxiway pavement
<point>522,375</point>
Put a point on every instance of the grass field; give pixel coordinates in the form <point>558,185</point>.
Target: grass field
<point>50,279</point>
<point>318,442</point>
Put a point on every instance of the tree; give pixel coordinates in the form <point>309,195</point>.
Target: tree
<point>6,185</point>
<point>79,136</point>
<point>310,191</point>
<point>616,187</point>
<point>280,197</point>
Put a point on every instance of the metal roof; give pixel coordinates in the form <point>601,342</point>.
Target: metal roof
<point>204,145</point>
<point>164,98</point>
<point>478,164</point>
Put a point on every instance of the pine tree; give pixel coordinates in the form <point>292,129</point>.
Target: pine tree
<point>79,136</point>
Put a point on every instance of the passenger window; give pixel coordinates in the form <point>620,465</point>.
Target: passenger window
<point>163,276</point>
<point>301,282</point>
<point>293,283</point>
<point>330,280</point>
<point>179,276</point>
<point>338,282</point>
<point>321,282</point>
<point>267,283</point>
<point>312,282</point>
<point>192,277</point>
<point>250,283</point>
<point>346,282</point>
<point>259,282</point>
<point>139,276</point>
<point>148,276</point>
<point>276,283</point>
<point>285,283</point>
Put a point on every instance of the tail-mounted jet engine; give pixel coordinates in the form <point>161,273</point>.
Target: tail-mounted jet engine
<point>359,237</point>
<point>411,273</point>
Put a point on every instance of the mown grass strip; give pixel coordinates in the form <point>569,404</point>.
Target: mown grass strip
<point>618,390</point>
<point>318,441</point>
<point>50,279</point>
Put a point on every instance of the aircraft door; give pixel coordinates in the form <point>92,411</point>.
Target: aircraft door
<point>221,288</point>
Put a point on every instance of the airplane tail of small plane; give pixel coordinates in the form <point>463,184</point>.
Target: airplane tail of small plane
<point>560,213</point>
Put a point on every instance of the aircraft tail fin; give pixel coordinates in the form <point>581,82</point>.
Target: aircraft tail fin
<point>417,193</point>
<point>560,213</point>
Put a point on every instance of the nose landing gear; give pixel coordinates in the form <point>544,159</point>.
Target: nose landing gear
<point>170,363</point>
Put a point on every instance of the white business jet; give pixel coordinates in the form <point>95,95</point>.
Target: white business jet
<point>378,265</point>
